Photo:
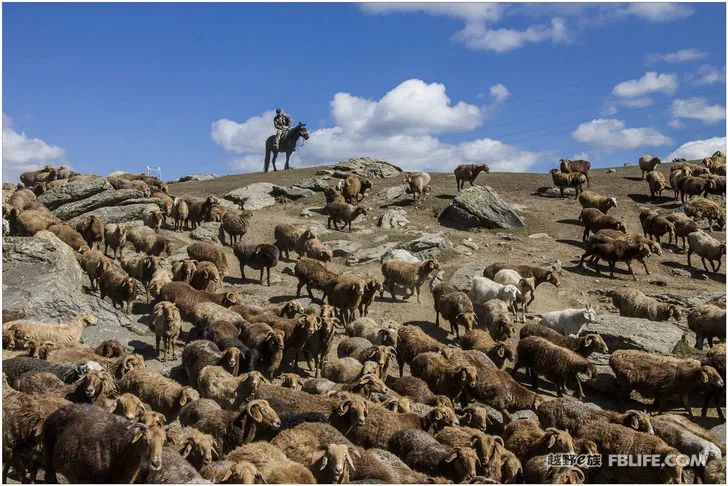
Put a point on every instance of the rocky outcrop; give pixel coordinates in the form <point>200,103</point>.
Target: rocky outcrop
<point>209,231</point>
<point>370,254</point>
<point>551,191</point>
<point>110,197</point>
<point>390,194</point>
<point>117,214</point>
<point>393,218</point>
<point>264,194</point>
<point>367,167</point>
<point>318,184</point>
<point>480,206</point>
<point>73,191</point>
<point>633,333</point>
<point>197,177</point>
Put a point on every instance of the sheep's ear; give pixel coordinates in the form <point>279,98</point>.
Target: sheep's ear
<point>452,457</point>
<point>187,449</point>
<point>551,441</point>
<point>588,341</point>
<point>254,411</point>
<point>704,376</point>
<point>501,352</point>
<point>634,422</point>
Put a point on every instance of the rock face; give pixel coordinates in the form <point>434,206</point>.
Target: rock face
<point>390,194</point>
<point>291,192</point>
<point>318,184</point>
<point>428,245</point>
<point>197,177</point>
<point>400,254</point>
<point>73,191</point>
<point>369,254</point>
<point>110,197</point>
<point>368,167</point>
<point>633,333</point>
<point>41,276</point>
<point>117,214</point>
<point>484,208</point>
<point>209,231</point>
<point>393,218</point>
<point>263,194</point>
<point>343,248</point>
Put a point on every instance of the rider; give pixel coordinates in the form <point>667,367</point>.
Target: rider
<point>281,122</point>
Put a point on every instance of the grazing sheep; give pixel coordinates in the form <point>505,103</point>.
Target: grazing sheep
<point>526,439</point>
<point>442,376</point>
<point>569,322</point>
<point>114,237</point>
<point>119,287</point>
<point>660,376</point>
<point>286,237</point>
<point>702,208</point>
<point>198,354</point>
<point>484,289</point>
<point>589,199</point>
<point>272,464</point>
<point>498,352</point>
<point>497,318</point>
<point>594,220</point>
<point>163,394</point>
<point>617,251</point>
<point>542,357</point>
<point>167,326</point>
<point>418,184</point>
<point>94,263</point>
<point>205,277</point>
<point>354,188</point>
<point>576,166</point>
<point>657,182</point>
<point>409,275</point>
<point>235,224</point>
<point>209,252</point>
<point>569,414</point>
<point>152,218</point>
<point>186,298</point>
<point>92,231</point>
<point>525,285</point>
<point>340,212</point>
<point>61,335</point>
<point>707,321</point>
<point>413,341</point>
<point>287,309</point>
<point>564,180</point>
<point>468,172</point>
<point>683,226</point>
<point>180,214</point>
<point>258,257</point>
<point>695,186</point>
<point>707,248</point>
<point>648,163</point>
<point>581,345</point>
<point>145,240</point>
<point>315,248</point>
<point>455,306</point>
<point>633,303</point>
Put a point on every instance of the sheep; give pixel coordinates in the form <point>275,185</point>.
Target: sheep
<point>119,287</point>
<point>198,354</point>
<point>314,275</point>
<point>66,334</point>
<point>538,470</point>
<point>633,303</point>
<point>268,342</point>
<point>542,357</point>
<point>205,277</point>
<point>186,298</point>
<point>22,198</point>
<point>142,269</point>
<point>715,161</point>
<point>287,309</point>
<point>145,240</point>
<point>130,406</point>
<point>345,294</point>
<point>114,237</point>
<point>498,352</point>
<point>683,226</point>
<point>569,322</point>
<point>369,329</point>
<point>418,184</point>
<point>68,373</point>
<point>455,306</point>
<point>162,394</point>
<point>167,325</point>
<point>86,444</point>
<point>315,248</point>
<point>525,285</point>
<point>594,220</point>
<point>372,287</point>
<point>484,289</point>
<point>319,344</point>
<point>341,212</point>
<point>715,358</point>
<point>92,231</point>
<point>657,182</point>
<point>167,203</point>
<point>487,447</point>
<point>589,199</point>
<point>442,376</point>
<point>690,439</point>
<point>615,251</point>
<point>526,439</point>
<point>702,208</point>
<point>576,166</point>
<point>570,415</point>
<point>660,376</point>
<point>497,319</point>
<point>227,390</point>
<point>152,218</point>
<point>180,214</point>
<point>564,180</point>
<point>354,188</point>
<point>95,387</point>
<point>695,186</point>
<point>272,463</point>
<point>30,221</point>
<point>94,263</point>
<point>175,470</point>
<point>209,252</point>
<point>123,183</point>
<point>159,279</point>
<point>413,341</point>
<point>347,369</point>
<point>581,345</point>
<point>707,248</point>
<point>707,321</point>
<point>286,237</point>
<point>230,472</point>
<point>409,275</point>
<point>648,163</point>
<point>676,178</point>
<point>468,172</point>
<point>34,177</point>
<point>259,257</point>
<point>199,209</point>
<point>235,224</point>
<point>302,239</point>
<point>418,391</point>
<point>363,350</point>
<point>718,186</point>
<point>423,453</point>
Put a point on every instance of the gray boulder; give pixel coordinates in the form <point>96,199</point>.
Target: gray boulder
<point>291,192</point>
<point>427,241</point>
<point>317,184</point>
<point>41,276</point>
<point>117,214</point>
<point>370,254</point>
<point>390,194</point>
<point>550,191</point>
<point>197,177</point>
<point>367,167</point>
<point>604,381</point>
<point>209,231</point>
<point>400,254</point>
<point>73,191</point>
<point>242,194</point>
<point>393,218</point>
<point>634,333</point>
<point>486,209</point>
<point>110,197</point>
<point>461,279</point>
<point>343,248</point>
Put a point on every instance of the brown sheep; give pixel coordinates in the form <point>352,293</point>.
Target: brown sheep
<point>198,354</point>
<point>574,180</point>
<point>236,225</point>
<point>581,345</point>
<point>152,218</point>
<point>145,240</point>
<point>354,188</point>
<point>455,306</point>
<point>272,464</point>
<point>209,252</point>
<point>594,220</point>
<point>413,341</point>
<point>167,326</point>
<point>61,335</point>
<point>204,277</point>
<point>497,318</point>
<point>569,414</point>
<point>468,172</point>
<point>526,439</point>
<point>633,303</point>
<point>286,237</point>
<point>114,237</point>
<point>657,182</point>
<point>498,352</point>
<point>184,270</point>
<point>409,275</point>
<point>119,287</point>
<point>142,269</point>
<point>345,294</point>
<point>30,221</point>
<point>163,394</point>
<point>186,298</point>
<point>648,163</point>
<point>715,358</point>
<point>442,376</point>
<point>617,251</point>
<point>180,214</point>
<point>683,227</point>
<point>92,231</point>
<point>576,166</point>
<point>418,184</point>
<point>695,186</point>
<point>418,391</point>
<point>707,321</point>
<point>589,199</point>
<point>314,275</point>
<point>258,257</point>
<point>94,263</point>
<point>702,208</point>
<point>343,213</point>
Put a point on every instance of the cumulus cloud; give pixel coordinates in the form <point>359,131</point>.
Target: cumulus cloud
<point>400,127</point>
<point>683,55</point>
<point>21,153</point>
<point>499,92</point>
<point>477,35</point>
<point>651,82</point>
<point>707,74</point>
<point>612,133</point>
<point>698,109</point>
<point>655,12</point>
<point>698,149</point>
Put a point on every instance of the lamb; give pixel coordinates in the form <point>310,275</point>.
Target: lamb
<point>707,248</point>
<point>569,322</point>
<point>272,464</point>
<point>687,437</point>
<point>633,303</point>
<point>525,285</point>
<point>180,214</point>
<point>315,248</point>
<point>683,226</point>
<point>186,298</point>
<point>648,164</point>
<point>259,257</point>
<point>418,184</point>
<point>594,220</point>
<point>564,180</point>
<point>702,208</point>
<point>62,335</point>
<point>423,453</point>
<point>167,326</point>
<point>227,390</point>
<point>581,345</point>
<point>541,357</point>
<point>114,237</point>
<point>657,182</point>
<point>497,318</point>
<point>576,166</point>
<point>468,172</point>
<point>340,212</point>
<point>707,321</point>
<point>209,252</point>
<point>409,275</point>
<point>152,218</point>
<point>198,354</point>
<point>94,263</point>
<point>615,251</point>
<point>570,415</point>
<point>695,186</point>
<point>660,376</point>
<point>235,224</point>
<point>484,289</point>
<point>119,287</point>
<point>498,352</point>
<point>413,341</point>
<point>526,439</point>
<point>205,277</point>
<point>162,394</point>
<point>92,231</point>
<point>442,376</point>
<point>589,199</point>
<point>145,240</point>
<point>354,188</point>
<point>455,306</point>
<point>87,444</point>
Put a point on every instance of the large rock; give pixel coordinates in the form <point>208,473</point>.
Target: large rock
<point>393,218</point>
<point>370,254</point>
<point>73,191</point>
<point>400,254</point>
<point>117,214</point>
<point>486,209</point>
<point>633,333</point>
<point>291,192</point>
<point>242,194</point>
<point>462,278</point>
<point>41,276</point>
<point>343,248</point>
<point>318,184</point>
<point>551,191</point>
<point>258,201</point>
<point>427,241</point>
<point>209,231</point>
<point>368,167</point>
<point>197,177</point>
<point>390,194</point>
<point>110,197</point>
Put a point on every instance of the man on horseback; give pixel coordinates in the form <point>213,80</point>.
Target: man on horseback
<point>281,122</point>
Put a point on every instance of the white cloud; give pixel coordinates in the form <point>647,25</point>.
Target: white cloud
<point>656,12</point>
<point>675,123</point>
<point>697,109</point>
<point>466,11</point>
<point>707,74</point>
<point>640,102</point>
<point>21,153</point>
<point>683,55</point>
<point>651,82</point>
<point>698,149</point>
<point>477,35</point>
<point>401,127</point>
<point>611,133</point>
<point>499,92</point>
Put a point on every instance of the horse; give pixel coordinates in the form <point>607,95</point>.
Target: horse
<point>287,145</point>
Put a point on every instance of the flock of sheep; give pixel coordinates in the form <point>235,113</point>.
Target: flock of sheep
<point>451,412</point>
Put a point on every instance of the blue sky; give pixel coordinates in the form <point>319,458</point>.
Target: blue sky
<point>191,87</point>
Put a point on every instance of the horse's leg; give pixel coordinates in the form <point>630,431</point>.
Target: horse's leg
<point>288,157</point>
<point>275,156</point>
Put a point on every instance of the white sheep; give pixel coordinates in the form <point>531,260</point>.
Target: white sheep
<point>707,248</point>
<point>524,285</point>
<point>484,289</point>
<point>569,322</point>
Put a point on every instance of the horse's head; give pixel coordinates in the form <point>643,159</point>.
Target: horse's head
<point>301,128</point>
